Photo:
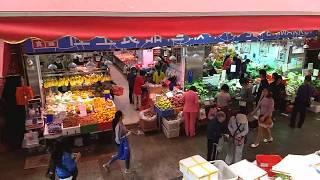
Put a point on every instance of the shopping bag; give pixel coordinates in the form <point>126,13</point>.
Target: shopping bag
<point>124,149</point>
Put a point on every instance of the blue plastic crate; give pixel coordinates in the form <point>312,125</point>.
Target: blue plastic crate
<point>165,113</point>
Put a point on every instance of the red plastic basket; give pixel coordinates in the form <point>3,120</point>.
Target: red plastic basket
<point>117,90</point>
<point>266,162</point>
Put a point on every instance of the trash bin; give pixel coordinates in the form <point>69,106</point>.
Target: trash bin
<point>225,173</point>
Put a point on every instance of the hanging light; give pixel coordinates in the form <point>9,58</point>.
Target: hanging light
<point>72,65</point>
<point>158,58</point>
<point>52,67</point>
<point>172,58</point>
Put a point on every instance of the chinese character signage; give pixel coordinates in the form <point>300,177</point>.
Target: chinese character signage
<point>72,44</point>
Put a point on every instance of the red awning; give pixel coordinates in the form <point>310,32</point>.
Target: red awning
<point>85,28</point>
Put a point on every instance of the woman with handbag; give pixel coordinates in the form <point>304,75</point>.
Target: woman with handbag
<point>238,129</point>
<point>266,107</point>
<point>121,140</point>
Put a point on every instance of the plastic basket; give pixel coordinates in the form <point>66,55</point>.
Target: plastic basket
<point>266,162</point>
<point>117,90</point>
<point>164,113</point>
<point>225,172</point>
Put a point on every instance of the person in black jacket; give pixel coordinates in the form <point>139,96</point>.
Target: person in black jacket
<point>131,77</point>
<point>263,83</point>
<point>215,129</point>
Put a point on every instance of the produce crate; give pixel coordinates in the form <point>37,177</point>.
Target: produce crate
<point>104,126</point>
<point>71,130</point>
<point>170,133</point>
<point>165,113</point>
<point>171,124</point>
<point>88,128</point>
<point>266,162</point>
<point>148,126</point>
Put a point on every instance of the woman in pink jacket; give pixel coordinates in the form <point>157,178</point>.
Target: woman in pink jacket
<point>190,110</point>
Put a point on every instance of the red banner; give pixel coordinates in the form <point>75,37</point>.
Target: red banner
<point>85,28</point>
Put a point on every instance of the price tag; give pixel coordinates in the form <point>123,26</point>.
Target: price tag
<point>233,68</point>
<point>316,72</point>
<point>223,75</point>
<point>83,110</point>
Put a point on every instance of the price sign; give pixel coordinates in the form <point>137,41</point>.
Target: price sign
<point>83,110</point>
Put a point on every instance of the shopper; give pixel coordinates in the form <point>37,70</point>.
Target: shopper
<point>120,136</point>
<point>215,129</point>
<point>244,67</point>
<point>63,162</point>
<point>190,110</point>
<point>238,128</point>
<point>263,84</point>
<point>131,77</point>
<point>266,107</point>
<point>223,99</point>
<point>137,89</point>
<point>302,101</point>
<point>246,96</point>
<point>238,63</point>
<point>158,76</point>
<point>279,93</point>
<point>227,63</point>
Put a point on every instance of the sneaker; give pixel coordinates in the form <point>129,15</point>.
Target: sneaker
<point>106,166</point>
<point>268,140</point>
<point>127,171</point>
<point>254,145</point>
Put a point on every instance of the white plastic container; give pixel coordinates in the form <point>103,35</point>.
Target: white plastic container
<point>170,133</point>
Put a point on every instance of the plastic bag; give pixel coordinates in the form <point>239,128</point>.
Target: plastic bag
<point>202,114</point>
<point>143,117</point>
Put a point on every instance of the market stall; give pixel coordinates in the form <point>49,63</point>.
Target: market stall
<point>75,91</point>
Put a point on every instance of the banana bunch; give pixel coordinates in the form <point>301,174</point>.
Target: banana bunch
<point>76,80</point>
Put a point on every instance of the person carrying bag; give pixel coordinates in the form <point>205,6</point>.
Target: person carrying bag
<point>238,129</point>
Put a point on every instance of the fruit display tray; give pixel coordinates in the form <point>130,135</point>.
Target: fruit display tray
<point>164,113</point>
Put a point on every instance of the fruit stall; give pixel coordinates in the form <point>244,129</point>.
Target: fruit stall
<point>75,93</point>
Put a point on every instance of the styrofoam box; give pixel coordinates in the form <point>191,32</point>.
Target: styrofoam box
<point>71,130</point>
<point>171,125</point>
<point>186,163</point>
<point>314,108</point>
<point>170,133</point>
<point>204,171</point>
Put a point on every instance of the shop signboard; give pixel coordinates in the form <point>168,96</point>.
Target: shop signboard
<point>73,44</point>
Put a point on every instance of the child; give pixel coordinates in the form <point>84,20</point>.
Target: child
<point>216,127</point>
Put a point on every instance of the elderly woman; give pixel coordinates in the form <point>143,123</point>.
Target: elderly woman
<point>238,128</point>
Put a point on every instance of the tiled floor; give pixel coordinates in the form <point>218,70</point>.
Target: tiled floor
<point>156,158</point>
<point>122,102</point>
